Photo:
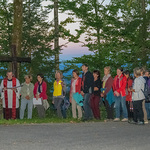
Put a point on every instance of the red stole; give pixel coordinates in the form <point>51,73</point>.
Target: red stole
<point>13,101</point>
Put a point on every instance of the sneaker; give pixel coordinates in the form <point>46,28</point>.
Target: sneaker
<point>116,120</point>
<point>124,120</point>
<point>145,122</point>
<point>140,123</point>
<point>132,122</point>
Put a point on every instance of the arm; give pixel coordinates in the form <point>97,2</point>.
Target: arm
<point>123,86</point>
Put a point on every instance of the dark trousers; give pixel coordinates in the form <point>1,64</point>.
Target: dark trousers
<point>58,105</point>
<point>86,106</point>
<point>109,109</point>
<point>138,111</point>
<point>7,113</point>
<point>129,106</point>
<point>95,106</point>
<point>41,111</point>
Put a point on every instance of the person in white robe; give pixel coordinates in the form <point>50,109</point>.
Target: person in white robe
<point>10,94</point>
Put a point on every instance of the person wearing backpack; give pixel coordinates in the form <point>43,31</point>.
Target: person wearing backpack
<point>147,102</point>
<point>145,93</point>
<point>138,97</point>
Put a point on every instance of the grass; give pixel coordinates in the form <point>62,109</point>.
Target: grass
<point>51,117</point>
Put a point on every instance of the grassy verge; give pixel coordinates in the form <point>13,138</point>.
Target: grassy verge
<point>51,117</point>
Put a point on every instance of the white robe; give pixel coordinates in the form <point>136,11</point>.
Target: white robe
<point>10,93</point>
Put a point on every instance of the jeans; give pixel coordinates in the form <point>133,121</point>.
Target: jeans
<point>120,103</point>
<point>147,106</point>
<point>24,103</point>
<point>86,106</point>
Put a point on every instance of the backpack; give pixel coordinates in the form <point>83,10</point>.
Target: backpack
<point>147,90</point>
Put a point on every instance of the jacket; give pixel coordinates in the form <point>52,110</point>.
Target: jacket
<point>24,90</point>
<point>44,89</point>
<point>139,88</point>
<point>77,85</point>
<point>122,85</point>
<point>87,83</point>
<point>108,85</point>
<point>129,93</point>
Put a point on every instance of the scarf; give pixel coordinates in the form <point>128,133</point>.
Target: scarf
<point>105,78</point>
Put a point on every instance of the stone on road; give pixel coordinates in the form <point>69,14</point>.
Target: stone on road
<point>75,136</point>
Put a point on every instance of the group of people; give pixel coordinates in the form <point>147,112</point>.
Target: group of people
<point>122,93</point>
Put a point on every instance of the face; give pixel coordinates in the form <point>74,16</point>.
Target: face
<point>95,75</point>
<point>119,72</point>
<point>74,75</point>
<point>39,79</point>
<point>9,75</point>
<point>106,71</point>
<point>84,68</point>
<point>147,74</point>
<point>27,80</point>
<point>58,76</point>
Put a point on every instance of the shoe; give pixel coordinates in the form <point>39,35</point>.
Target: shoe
<point>140,123</point>
<point>145,122</point>
<point>124,120</point>
<point>132,122</point>
<point>116,120</point>
<point>108,120</point>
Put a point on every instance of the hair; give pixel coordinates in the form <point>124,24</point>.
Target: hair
<point>28,76</point>
<point>97,72</point>
<point>108,68</point>
<point>41,75</point>
<point>137,71</point>
<point>58,71</point>
<point>76,71</point>
<point>120,68</point>
<point>86,65</point>
<point>126,72</point>
<point>143,70</point>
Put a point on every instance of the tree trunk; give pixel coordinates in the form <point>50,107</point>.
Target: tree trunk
<point>56,35</point>
<point>17,29</point>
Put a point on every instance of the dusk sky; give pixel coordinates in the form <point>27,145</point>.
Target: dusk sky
<point>72,49</point>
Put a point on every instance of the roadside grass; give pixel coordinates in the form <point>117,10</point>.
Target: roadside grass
<point>51,117</point>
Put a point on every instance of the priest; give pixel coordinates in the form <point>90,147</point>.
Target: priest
<point>10,94</point>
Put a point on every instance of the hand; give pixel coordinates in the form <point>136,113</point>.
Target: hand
<point>116,93</point>
<point>96,88</point>
<point>52,101</point>
<point>82,93</point>
<point>27,97</point>
<point>37,96</point>
<point>14,89</point>
<point>4,88</point>
<point>62,84</point>
<point>102,95</point>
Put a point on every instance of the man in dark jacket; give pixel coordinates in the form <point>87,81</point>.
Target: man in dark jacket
<point>86,90</point>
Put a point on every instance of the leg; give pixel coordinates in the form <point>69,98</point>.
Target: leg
<point>86,106</point>
<point>57,103</point>
<point>30,106</point>
<point>123,105</point>
<point>135,111</point>
<point>117,106</point>
<point>97,110</point>
<point>92,105</point>
<point>144,111</point>
<point>41,111</point>
<point>140,111</point>
<point>74,106</point>
<point>23,107</point>
<point>79,111</point>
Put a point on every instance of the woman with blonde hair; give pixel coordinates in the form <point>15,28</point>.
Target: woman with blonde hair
<point>59,92</point>
<point>107,93</point>
<point>27,97</point>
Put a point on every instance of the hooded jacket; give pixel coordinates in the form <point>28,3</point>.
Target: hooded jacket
<point>139,88</point>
